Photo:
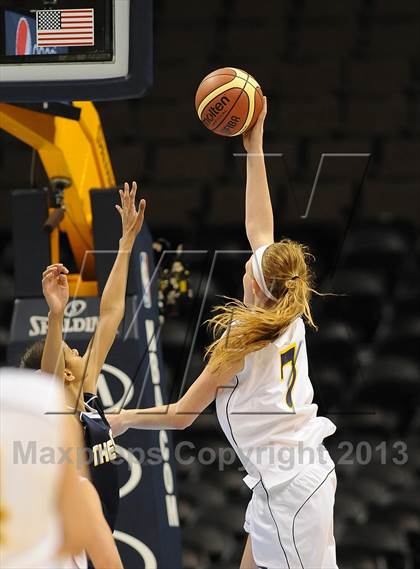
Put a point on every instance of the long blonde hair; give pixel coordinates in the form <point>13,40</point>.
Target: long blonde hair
<point>287,273</point>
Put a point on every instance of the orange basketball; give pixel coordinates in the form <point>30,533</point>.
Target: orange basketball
<point>228,101</point>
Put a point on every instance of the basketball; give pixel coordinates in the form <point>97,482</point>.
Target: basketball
<point>228,101</point>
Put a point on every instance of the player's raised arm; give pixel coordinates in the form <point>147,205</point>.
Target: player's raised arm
<point>181,414</point>
<point>112,305</point>
<point>56,292</point>
<point>259,221</point>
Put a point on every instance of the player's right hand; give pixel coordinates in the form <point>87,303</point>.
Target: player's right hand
<point>56,287</point>
<point>253,138</point>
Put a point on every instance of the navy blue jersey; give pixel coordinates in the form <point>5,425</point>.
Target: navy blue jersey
<point>103,471</point>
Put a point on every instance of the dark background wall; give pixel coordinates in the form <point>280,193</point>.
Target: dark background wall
<point>341,77</point>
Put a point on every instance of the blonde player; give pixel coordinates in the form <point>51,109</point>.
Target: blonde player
<point>258,374</point>
<point>49,514</point>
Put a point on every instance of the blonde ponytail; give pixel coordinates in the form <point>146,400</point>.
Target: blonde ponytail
<point>289,278</point>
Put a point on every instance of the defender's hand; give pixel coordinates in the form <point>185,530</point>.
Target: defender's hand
<point>132,219</point>
<point>56,287</point>
<point>253,138</point>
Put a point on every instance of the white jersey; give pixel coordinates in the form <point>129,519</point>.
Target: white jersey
<point>30,472</point>
<point>267,413</point>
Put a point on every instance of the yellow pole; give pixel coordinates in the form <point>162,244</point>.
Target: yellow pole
<point>75,150</point>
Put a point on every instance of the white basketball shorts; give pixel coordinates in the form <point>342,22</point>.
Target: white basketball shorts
<point>291,525</point>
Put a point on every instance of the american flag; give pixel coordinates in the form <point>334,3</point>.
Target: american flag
<point>66,28</point>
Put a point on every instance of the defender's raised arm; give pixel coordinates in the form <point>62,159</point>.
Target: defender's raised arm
<point>112,305</point>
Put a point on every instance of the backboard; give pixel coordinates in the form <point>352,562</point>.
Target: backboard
<point>64,50</point>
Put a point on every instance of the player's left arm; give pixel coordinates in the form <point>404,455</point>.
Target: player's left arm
<point>112,305</point>
<point>181,414</point>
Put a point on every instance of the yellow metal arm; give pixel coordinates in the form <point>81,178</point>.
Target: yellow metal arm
<point>75,150</point>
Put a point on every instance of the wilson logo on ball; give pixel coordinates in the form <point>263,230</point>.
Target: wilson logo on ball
<point>229,101</point>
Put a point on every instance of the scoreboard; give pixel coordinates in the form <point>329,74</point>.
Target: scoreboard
<point>53,35</point>
<point>63,50</point>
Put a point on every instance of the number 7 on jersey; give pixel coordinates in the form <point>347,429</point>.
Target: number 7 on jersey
<point>288,358</point>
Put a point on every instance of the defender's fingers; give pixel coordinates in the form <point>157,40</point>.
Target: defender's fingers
<point>62,279</point>
<point>51,271</point>
<point>47,276</point>
<point>61,269</point>
<point>48,279</point>
<point>53,266</point>
<point>56,270</point>
<point>140,214</point>
<point>133,192</point>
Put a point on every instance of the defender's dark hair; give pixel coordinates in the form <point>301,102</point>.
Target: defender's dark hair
<point>32,357</point>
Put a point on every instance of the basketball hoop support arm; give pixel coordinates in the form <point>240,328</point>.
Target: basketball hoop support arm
<point>75,151</point>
